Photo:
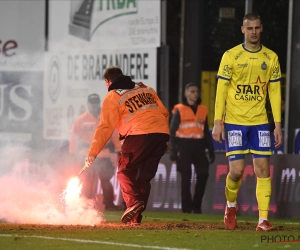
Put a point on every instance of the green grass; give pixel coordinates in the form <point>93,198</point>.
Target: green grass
<point>159,230</point>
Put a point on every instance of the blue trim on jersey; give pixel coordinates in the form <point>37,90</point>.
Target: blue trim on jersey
<point>276,80</point>
<point>227,79</point>
<point>260,156</point>
<point>236,157</point>
<point>250,50</point>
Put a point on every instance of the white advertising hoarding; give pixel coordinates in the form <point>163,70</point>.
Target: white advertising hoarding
<point>104,24</point>
<point>85,38</point>
<point>70,76</point>
<point>22,45</point>
<point>22,39</point>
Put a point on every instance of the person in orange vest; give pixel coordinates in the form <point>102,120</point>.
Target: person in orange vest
<point>142,120</point>
<point>189,140</point>
<point>82,133</point>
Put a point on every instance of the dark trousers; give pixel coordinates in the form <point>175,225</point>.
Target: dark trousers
<point>184,163</point>
<point>104,170</point>
<point>138,163</point>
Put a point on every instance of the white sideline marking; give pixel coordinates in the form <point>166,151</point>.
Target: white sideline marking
<point>91,241</point>
<point>292,223</point>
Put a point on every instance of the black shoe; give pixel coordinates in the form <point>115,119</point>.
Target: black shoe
<point>187,211</point>
<point>135,221</point>
<point>197,211</point>
<point>132,211</point>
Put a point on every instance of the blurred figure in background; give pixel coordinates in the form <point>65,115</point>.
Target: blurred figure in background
<point>189,139</point>
<point>81,136</point>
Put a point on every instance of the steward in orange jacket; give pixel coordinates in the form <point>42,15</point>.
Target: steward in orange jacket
<point>134,110</point>
<point>190,138</point>
<point>139,116</point>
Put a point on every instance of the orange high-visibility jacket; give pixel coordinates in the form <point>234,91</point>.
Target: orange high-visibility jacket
<point>191,124</point>
<point>133,111</point>
<point>82,133</point>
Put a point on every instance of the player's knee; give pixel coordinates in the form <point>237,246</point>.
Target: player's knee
<point>236,163</point>
<point>261,165</point>
<point>236,175</point>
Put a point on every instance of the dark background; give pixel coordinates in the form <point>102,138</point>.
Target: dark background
<point>215,35</point>
<point>165,191</point>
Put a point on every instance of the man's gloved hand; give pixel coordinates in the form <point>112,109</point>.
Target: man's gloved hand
<point>173,155</point>
<point>211,156</point>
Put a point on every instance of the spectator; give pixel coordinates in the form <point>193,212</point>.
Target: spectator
<point>82,133</point>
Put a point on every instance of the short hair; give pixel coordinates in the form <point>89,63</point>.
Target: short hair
<point>251,16</point>
<point>112,73</point>
<point>190,85</point>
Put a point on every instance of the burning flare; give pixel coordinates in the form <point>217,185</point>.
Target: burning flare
<point>77,207</point>
<point>36,197</point>
<point>73,190</point>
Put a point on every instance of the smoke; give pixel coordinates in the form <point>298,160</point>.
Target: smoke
<point>35,170</point>
<point>36,166</point>
<point>34,191</point>
<point>40,96</point>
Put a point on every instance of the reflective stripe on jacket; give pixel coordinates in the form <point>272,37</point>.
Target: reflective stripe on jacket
<point>191,125</point>
<point>132,112</point>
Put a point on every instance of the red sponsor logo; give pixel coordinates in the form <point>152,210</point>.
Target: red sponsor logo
<point>8,48</point>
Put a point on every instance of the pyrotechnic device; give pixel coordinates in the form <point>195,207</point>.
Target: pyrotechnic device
<point>84,168</point>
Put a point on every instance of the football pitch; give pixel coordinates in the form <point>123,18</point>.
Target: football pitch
<point>159,230</point>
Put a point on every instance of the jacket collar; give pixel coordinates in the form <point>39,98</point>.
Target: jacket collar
<point>122,82</point>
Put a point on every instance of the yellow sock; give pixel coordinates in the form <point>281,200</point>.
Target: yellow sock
<point>263,196</point>
<point>231,189</point>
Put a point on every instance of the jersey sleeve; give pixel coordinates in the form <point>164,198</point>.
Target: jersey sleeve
<point>274,89</point>
<point>275,71</point>
<point>224,75</point>
<point>221,98</point>
<point>225,68</point>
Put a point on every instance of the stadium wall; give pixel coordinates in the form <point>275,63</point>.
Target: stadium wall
<point>285,198</point>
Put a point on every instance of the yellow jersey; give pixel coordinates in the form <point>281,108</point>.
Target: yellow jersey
<point>244,79</point>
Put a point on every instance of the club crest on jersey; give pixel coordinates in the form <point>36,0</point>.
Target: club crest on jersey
<point>263,66</point>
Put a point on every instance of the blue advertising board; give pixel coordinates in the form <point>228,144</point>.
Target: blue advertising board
<point>297,141</point>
